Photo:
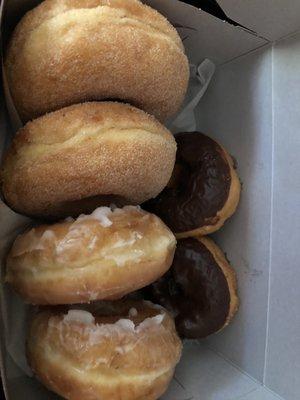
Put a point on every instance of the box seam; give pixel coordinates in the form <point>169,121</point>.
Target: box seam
<point>271,217</point>
<point>246,53</point>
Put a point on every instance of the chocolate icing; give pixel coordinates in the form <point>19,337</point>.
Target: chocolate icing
<point>199,187</point>
<point>195,290</point>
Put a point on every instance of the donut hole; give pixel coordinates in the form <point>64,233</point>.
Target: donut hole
<point>175,289</point>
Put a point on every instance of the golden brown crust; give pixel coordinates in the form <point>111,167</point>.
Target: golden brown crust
<point>228,209</point>
<point>229,274</point>
<point>105,255</point>
<point>59,162</point>
<point>69,51</point>
<point>130,356</point>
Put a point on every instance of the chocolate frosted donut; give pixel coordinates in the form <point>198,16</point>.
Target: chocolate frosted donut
<point>204,190</point>
<point>199,289</point>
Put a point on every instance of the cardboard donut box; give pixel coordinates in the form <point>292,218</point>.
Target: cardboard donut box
<point>252,106</point>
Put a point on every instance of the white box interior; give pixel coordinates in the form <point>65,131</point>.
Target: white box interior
<point>252,107</point>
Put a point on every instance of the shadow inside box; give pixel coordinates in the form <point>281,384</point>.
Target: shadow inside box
<point>1,392</point>
<point>23,387</point>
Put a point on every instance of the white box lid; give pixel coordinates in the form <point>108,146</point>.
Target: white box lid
<point>206,36</point>
<point>272,19</point>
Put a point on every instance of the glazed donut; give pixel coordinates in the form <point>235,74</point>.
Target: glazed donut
<point>204,190</point>
<point>200,289</point>
<point>76,159</point>
<point>65,52</point>
<point>127,352</point>
<point>104,255</point>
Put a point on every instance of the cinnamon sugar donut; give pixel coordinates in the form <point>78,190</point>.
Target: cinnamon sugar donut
<point>84,156</point>
<point>122,351</point>
<point>65,52</point>
<point>104,255</point>
<point>200,289</point>
<point>204,190</point>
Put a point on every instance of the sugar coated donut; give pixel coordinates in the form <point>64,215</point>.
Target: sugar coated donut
<point>200,289</point>
<point>204,190</point>
<point>65,52</point>
<point>124,351</point>
<point>76,159</point>
<point>103,255</point>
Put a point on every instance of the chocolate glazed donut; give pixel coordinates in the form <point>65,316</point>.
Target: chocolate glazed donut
<point>204,190</point>
<point>199,289</point>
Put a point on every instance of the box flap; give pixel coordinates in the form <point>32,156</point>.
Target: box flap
<point>206,36</point>
<point>272,19</point>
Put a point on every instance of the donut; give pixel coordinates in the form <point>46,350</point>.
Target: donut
<point>65,52</point>
<point>127,351</point>
<point>104,255</point>
<point>204,190</point>
<point>73,160</point>
<point>200,289</point>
